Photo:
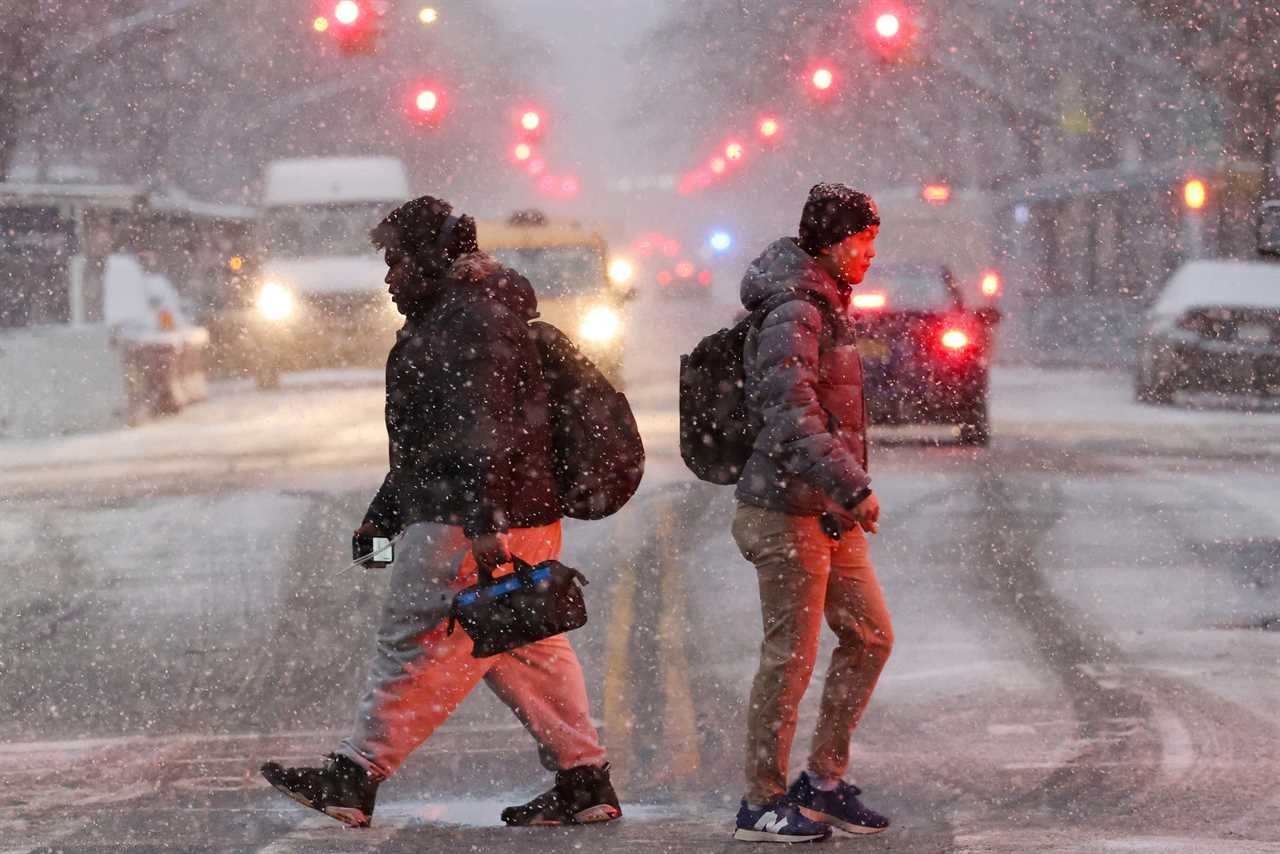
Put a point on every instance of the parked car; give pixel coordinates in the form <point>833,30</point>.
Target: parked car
<point>1214,327</point>
<point>925,353</point>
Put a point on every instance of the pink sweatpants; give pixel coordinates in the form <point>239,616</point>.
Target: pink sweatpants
<point>420,673</point>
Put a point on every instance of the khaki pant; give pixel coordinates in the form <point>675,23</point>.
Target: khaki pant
<point>421,673</point>
<point>805,575</point>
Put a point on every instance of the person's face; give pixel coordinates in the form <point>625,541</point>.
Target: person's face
<point>851,258</point>
<point>401,278</point>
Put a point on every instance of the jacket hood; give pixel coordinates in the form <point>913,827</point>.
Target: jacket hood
<point>785,267</point>
<point>497,281</point>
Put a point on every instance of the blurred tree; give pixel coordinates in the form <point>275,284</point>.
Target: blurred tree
<point>201,94</point>
<point>1233,51</point>
<point>44,44</point>
<point>990,90</point>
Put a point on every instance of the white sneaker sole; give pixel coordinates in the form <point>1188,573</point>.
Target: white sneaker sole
<point>597,814</point>
<point>787,839</point>
<point>844,826</point>
<point>350,816</point>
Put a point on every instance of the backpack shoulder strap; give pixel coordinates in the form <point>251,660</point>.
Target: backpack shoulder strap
<point>779,300</point>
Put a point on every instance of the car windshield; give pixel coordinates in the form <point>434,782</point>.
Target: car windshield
<point>557,271</point>
<point>909,288</point>
<point>299,232</point>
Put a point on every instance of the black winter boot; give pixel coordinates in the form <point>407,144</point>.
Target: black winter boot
<point>340,789</point>
<point>581,795</point>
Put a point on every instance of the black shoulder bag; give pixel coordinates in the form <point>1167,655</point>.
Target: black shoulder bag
<point>531,604</point>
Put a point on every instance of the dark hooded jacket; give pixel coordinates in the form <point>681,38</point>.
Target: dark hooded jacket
<point>804,391</point>
<point>466,409</point>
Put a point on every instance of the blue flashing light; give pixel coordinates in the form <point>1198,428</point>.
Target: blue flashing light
<point>720,240</point>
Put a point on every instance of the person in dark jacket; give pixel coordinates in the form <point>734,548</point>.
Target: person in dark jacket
<point>804,506</point>
<point>470,469</point>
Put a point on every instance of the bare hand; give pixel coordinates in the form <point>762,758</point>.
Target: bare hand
<point>867,514</point>
<point>491,550</point>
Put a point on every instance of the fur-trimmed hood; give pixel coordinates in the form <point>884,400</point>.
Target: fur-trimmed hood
<point>500,282</point>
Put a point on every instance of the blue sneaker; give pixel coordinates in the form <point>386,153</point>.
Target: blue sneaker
<point>778,822</point>
<point>839,808</point>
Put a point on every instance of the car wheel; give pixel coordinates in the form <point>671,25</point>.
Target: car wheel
<point>975,428</point>
<point>1148,387</point>
<point>267,378</point>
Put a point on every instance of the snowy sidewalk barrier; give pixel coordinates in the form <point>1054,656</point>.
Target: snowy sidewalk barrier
<point>56,380</point>
<point>163,371</point>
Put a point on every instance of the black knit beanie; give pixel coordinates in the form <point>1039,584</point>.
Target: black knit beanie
<point>418,227</point>
<point>832,213</point>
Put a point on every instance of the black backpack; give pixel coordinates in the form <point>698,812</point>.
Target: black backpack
<point>597,456</point>
<point>716,434</point>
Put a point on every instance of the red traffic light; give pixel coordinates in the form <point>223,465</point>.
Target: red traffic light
<point>822,79</point>
<point>354,27</point>
<point>347,12</point>
<point>888,25</point>
<point>768,128</point>
<point>889,29</point>
<point>426,103</point>
<point>531,120</point>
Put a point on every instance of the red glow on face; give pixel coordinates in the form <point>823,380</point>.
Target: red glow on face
<point>664,278</point>
<point>704,277</point>
<point>684,269</point>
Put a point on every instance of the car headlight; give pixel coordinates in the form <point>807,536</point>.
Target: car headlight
<point>600,325</point>
<point>275,301</point>
<point>621,271</point>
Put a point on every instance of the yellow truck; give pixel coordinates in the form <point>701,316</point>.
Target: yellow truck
<point>567,264</point>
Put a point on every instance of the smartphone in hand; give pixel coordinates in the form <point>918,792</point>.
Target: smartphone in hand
<point>373,552</point>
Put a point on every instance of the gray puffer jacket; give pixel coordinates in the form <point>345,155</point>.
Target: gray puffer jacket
<point>804,391</point>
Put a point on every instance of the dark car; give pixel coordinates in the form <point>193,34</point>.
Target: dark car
<point>1214,328</point>
<point>925,354</point>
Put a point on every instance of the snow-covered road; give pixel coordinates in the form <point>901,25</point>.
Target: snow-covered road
<point>1085,617</point>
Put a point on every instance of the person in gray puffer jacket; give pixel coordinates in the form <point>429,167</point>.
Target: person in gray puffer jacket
<point>804,506</point>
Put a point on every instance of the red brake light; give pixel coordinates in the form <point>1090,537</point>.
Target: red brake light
<point>955,339</point>
<point>664,278</point>
<point>869,301</point>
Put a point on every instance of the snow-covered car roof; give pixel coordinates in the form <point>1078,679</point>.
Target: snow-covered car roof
<point>331,180</point>
<point>1218,284</point>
